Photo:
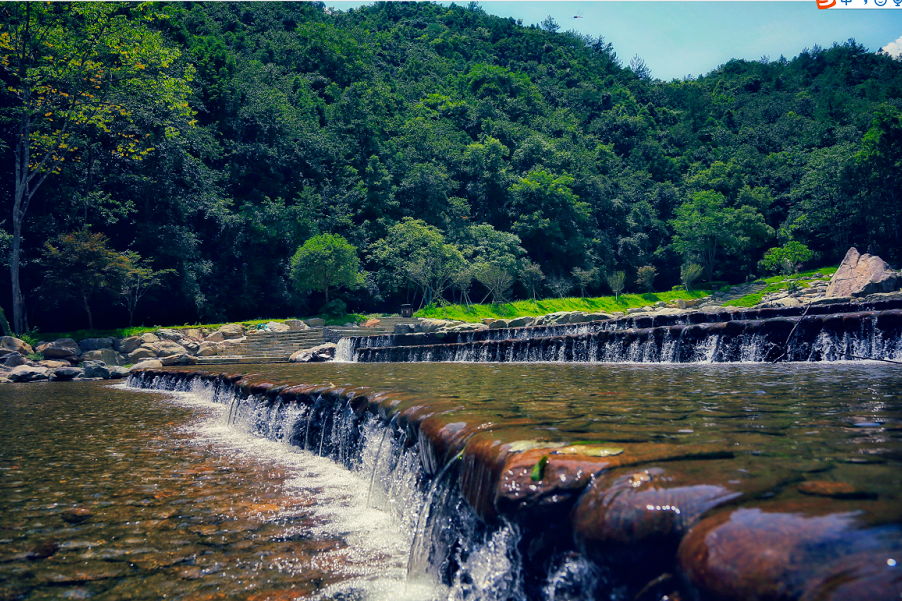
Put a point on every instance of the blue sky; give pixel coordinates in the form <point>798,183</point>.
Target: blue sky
<point>691,38</point>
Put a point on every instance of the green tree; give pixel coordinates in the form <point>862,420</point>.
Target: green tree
<point>617,281</point>
<point>531,275</point>
<point>689,273</point>
<point>880,168</point>
<point>706,229</point>
<point>72,69</point>
<point>787,258</point>
<point>414,251</point>
<point>82,266</point>
<point>137,279</point>
<point>324,263</point>
<point>645,277</point>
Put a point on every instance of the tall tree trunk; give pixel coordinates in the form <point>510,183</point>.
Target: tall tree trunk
<point>20,203</point>
<point>84,302</point>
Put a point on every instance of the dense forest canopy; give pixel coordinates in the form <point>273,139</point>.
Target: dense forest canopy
<point>449,147</point>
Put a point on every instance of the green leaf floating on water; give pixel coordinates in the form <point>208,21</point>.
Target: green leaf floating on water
<point>538,470</point>
<point>563,448</point>
<point>590,451</point>
<point>528,445</point>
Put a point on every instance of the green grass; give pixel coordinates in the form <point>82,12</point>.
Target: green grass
<point>777,283</point>
<point>138,330</point>
<point>605,304</point>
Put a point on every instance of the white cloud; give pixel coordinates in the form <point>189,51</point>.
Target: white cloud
<point>894,48</point>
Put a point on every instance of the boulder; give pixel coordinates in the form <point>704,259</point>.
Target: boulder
<point>14,360</point>
<point>499,324</point>
<point>169,334</point>
<point>208,349</point>
<point>296,324</point>
<point>787,301</point>
<point>275,326</point>
<point>96,369</point>
<point>62,347</point>
<point>12,344</point>
<point>164,348</point>
<point>464,327</point>
<point>142,352</point>
<point>371,323</point>
<point>148,364</point>
<point>681,303</point>
<point>149,338</point>
<point>315,322</point>
<point>66,373</point>
<point>192,332</point>
<point>127,345</point>
<point>27,373</point>
<point>93,344</point>
<point>190,345</point>
<point>636,310</point>
<point>215,337</point>
<point>231,330</point>
<point>106,355</point>
<point>521,322</point>
<point>323,352</point>
<point>598,316</point>
<point>178,359</point>
<point>118,372</point>
<point>861,275</point>
<point>50,364</point>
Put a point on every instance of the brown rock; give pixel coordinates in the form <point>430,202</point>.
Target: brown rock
<point>127,345</point>
<point>860,275</point>
<point>76,515</point>
<point>12,344</point>
<point>231,330</point>
<point>837,490</point>
<point>791,551</point>
<point>63,347</point>
<point>215,337</point>
<point>145,351</point>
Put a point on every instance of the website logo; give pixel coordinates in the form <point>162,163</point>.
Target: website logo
<point>826,3</point>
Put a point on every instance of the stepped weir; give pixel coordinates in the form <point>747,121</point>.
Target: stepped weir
<point>588,481</point>
<point>818,333</point>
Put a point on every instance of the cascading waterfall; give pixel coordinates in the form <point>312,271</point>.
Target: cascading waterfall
<point>450,545</point>
<point>761,336</point>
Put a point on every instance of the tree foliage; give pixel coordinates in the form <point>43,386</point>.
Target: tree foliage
<point>324,263</point>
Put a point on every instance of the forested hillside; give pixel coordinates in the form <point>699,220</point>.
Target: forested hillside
<point>446,145</point>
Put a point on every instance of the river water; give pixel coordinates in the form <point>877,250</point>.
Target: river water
<point>109,493</point>
<point>115,493</point>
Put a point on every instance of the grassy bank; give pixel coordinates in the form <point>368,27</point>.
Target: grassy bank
<point>605,304</point>
<point>779,282</point>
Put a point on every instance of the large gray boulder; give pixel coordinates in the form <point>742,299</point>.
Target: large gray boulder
<point>192,346</point>
<point>106,355</point>
<point>12,344</point>
<point>146,364</point>
<point>149,338</point>
<point>323,352</point>
<point>60,348</point>
<point>315,322</point>
<point>142,352</point>
<point>93,344</point>
<point>169,334</point>
<point>127,345</point>
<point>296,324</point>
<point>118,372</point>
<point>179,359</point>
<point>275,326</point>
<point>208,349</point>
<point>861,275</point>
<point>14,360</point>
<point>231,330</point>
<point>164,348</point>
<point>96,369</point>
<point>66,373</point>
<point>521,322</point>
<point>27,373</point>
